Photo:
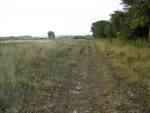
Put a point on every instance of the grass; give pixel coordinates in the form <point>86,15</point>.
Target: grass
<point>37,76</point>
<point>29,72</point>
<point>131,61</point>
<point>26,68</point>
<point>134,60</point>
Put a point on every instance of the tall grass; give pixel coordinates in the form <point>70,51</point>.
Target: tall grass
<point>131,64</point>
<point>132,57</point>
<point>24,68</point>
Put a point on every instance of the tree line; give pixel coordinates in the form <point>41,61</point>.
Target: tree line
<point>131,23</point>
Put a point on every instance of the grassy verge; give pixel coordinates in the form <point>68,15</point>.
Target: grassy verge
<point>132,66</point>
<point>134,60</point>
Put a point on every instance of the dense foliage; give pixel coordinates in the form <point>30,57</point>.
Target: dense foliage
<point>102,28</point>
<point>132,23</point>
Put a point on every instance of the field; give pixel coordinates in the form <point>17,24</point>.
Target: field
<point>132,62</point>
<point>133,59</point>
<point>73,76</point>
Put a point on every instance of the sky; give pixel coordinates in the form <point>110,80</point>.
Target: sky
<point>64,17</point>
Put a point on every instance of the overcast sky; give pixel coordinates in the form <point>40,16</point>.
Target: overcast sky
<point>36,17</point>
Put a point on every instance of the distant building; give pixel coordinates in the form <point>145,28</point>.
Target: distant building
<point>51,35</point>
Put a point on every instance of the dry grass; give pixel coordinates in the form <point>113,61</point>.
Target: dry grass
<point>133,61</point>
<point>131,72</point>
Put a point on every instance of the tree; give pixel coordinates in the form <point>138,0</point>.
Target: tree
<point>133,22</point>
<point>108,30</point>
<point>51,35</point>
<point>119,22</point>
<point>102,29</point>
<point>139,13</point>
